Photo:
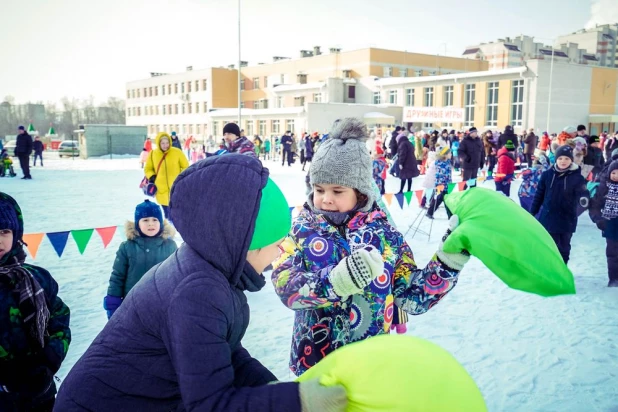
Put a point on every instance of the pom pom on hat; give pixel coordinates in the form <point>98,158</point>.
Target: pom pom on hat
<point>349,128</point>
<point>570,129</point>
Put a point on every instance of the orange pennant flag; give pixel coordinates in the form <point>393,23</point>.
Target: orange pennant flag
<point>480,179</point>
<point>461,186</point>
<point>419,196</point>
<point>389,198</point>
<point>33,241</point>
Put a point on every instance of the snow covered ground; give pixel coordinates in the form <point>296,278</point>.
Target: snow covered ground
<point>525,352</point>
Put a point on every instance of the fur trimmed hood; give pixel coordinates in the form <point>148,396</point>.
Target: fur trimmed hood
<point>132,233</point>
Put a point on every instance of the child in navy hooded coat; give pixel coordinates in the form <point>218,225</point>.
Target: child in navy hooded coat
<point>175,342</point>
<point>559,192</point>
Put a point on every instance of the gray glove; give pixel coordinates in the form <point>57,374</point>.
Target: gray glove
<point>355,272</point>
<point>453,260</point>
<point>317,398</point>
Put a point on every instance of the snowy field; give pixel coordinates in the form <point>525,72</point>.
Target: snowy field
<point>525,352</point>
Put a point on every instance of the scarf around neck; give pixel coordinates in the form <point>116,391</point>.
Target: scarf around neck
<point>32,303</point>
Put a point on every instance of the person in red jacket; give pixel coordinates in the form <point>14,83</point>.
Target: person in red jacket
<point>544,142</point>
<point>148,145</point>
<point>506,168</point>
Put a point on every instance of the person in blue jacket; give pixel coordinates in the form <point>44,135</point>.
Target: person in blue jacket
<point>561,189</point>
<point>175,342</point>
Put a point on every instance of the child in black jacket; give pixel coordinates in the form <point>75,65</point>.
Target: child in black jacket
<point>560,190</point>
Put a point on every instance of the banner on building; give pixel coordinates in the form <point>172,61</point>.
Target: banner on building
<point>433,114</point>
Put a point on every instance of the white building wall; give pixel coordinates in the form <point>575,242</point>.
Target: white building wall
<point>570,95</point>
<point>321,116</point>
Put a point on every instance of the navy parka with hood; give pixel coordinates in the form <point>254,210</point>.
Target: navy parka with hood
<point>175,343</point>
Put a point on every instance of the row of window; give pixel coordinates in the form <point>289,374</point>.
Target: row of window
<point>517,101</point>
<point>169,89</point>
<point>181,129</point>
<point>255,83</point>
<point>167,109</point>
<point>388,72</point>
<point>259,127</point>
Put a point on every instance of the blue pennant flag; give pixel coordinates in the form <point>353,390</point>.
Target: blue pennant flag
<point>58,241</point>
<point>399,197</point>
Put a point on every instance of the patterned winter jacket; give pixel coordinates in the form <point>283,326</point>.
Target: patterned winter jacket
<point>530,180</point>
<point>242,146</point>
<point>324,321</point>
<point>379,169</point>
<point>22,368</point>
<point>443,172</point>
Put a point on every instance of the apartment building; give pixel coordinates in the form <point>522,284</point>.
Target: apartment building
<point>515,52</point>
<point>600,41</point>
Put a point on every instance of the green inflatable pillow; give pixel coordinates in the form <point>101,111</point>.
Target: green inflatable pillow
<point>509,241</point>
<point>398,373</point>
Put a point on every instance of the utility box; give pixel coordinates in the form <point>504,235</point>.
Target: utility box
<point>96,140</point>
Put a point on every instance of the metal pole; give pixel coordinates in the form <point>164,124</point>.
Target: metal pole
<point>551,75</point>
<point>239,110</point>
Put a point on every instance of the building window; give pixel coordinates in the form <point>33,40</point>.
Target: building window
<point>256,104</point>
<point>403,72</point>
<point>205,107</point>
<point>156,90</point>
<point>163,90</point>
<point>146,111</point>
<point>205,84</point>
<point>190,129</point>
<point>175,88</point>
<point>188,87</point>
<point>317,97</point>
<point>242,105</point>
<point>183,108</point>
<point>265,81</point>
<point>274,127</point>
<point>182,87</point>
<point>197,85</point>
<point>242,84</point>
<point>197,107</point>
<point>157,110</point>
<point>256,82</point>
<point>128,94</point>
<point>517,108</point>
<point>469,101</point>
<point>249,127</point>
<point>189,107</point>
<point>299,101</point>
<point>215,129</point>
<point>448,96</point>
<point>175,109</point>
<point>492,104</point>
<point>409,97</point>
<point>139,111</point>
<point>419,73</point>
<point>428,125</point>
<point>164,111</point>
<point>377,99</point>
<point>392,96</point>
<point>264,103</point>
<point>289,125</point>
<point>428,96</point>
<point>351,92</point>
<point>279,102</point>
<point>262,127</point>
<point>388,71</point>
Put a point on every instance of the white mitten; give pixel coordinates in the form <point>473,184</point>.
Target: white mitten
<point>453,260</point>
<point>355,272</point>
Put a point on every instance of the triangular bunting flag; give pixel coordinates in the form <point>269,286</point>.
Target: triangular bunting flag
<point>291,209</point>
<point>471,182</point>
<point>33,241</point>
<point>399,197</point>
<point>408,196</point>
<point>82,237</point>
<point>389,198</point>
<point>461,186</point>
<point>58,241</point>
<point>450,188</point>
<point>480,179</point>
<point>106,233</point>
<point>419,196</point>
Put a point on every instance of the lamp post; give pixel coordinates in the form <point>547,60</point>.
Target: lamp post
<point>551,78</point>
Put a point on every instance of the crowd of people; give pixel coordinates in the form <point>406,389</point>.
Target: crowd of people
<point>177,315</point>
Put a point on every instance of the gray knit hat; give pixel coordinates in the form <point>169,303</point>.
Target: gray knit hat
<point>343,160</point>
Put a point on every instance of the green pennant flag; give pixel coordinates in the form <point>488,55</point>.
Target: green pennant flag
<point>450,188</point>
<point>31,128</point>
<point>82,237</point>
<point>408,196</point>
<point>52,131</point>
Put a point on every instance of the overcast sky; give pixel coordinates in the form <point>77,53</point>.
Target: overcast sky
<point>77,48</point>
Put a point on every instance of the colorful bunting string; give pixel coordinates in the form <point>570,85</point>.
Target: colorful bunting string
<point>59,240</point>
